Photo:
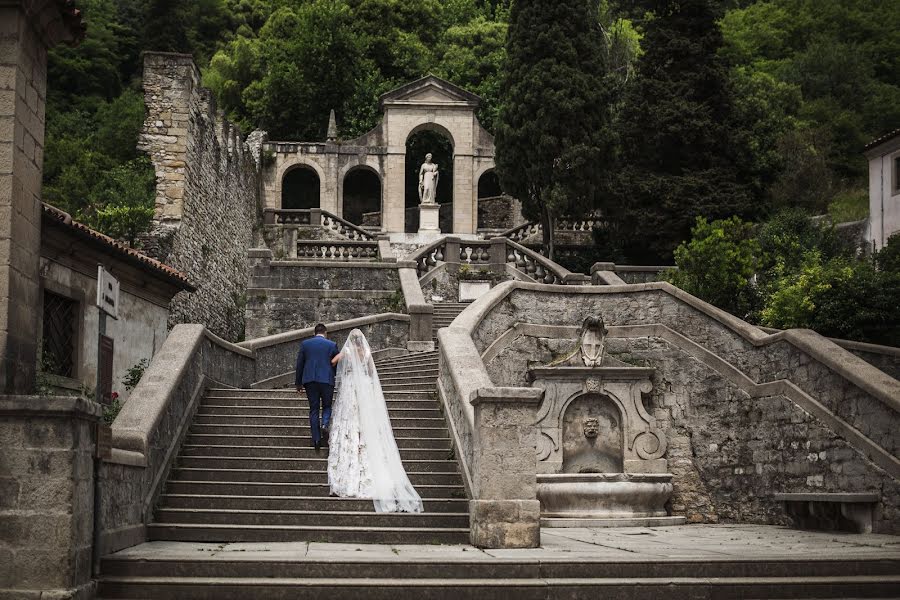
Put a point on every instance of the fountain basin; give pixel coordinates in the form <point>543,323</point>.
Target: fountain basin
<point>605,499</point>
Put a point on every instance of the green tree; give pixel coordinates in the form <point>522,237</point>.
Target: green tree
<point>553,136</point>
<point>676,127</point>
<point>718,264</point>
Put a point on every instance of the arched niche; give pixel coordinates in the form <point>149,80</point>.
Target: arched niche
<point>438,141</point>
<point>300,188</point>
<point>361,194</point>
<point>489,185</point>
<point>593,438</point>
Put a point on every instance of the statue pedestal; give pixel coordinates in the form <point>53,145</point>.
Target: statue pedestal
<point>429,220</point>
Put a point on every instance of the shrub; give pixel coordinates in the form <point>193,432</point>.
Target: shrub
<point>718,264</point>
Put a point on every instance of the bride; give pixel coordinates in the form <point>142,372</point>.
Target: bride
<point>363,460</point>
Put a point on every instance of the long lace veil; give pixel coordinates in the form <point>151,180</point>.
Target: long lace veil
<point>391,488</point>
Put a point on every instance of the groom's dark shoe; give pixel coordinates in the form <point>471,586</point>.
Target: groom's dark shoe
<point>317,446</point>
<point>325,432</point>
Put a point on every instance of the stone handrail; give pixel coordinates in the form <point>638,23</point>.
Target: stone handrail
<point>521,232</point>
<point>492,429</point>
<point>149,429</point>
<point>537,267</point>
<point>274,352</point>
<point>421,313</point>
<point>526,230</point>
<point>430,256</point>
<point>338,251</point>
<point>627,273</point>
<point>316,216</point>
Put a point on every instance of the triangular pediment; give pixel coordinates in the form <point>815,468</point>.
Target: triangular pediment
<point>429,90</point>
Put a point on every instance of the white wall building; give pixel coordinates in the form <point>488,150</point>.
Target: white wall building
<point>884,188</point>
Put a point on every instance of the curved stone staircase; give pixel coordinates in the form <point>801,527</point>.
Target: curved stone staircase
<point>247,471</point>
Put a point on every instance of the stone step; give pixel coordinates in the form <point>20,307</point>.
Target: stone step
<point>411,567</point>
<point>294,452</point>
<point>427,361</point>
<point>305,464</point>
<point>297,409</point>
<point>303,419</point>
<point>318,518</point>
<point>409,377</point>
<point>191,588</point>
<point>391,371</point>
<point>267,400</point>
<point>191,532</point>
<point>300,441</point>
<point>295,476</point>
<point>303,429</point>
<point>245,488</point>
<point>317,503</point>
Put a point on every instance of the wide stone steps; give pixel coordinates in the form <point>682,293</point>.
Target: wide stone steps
<point>258,475</point>
<point>325,531</point>
<point>298,503</point>
<point>203,439</point>
<point>338,518</point>
<point>247,472</point>
<point>501,579</point>
<point>298,452</point>
<point>305,464</point>
<point>295,410</point>
<point>251,488</point>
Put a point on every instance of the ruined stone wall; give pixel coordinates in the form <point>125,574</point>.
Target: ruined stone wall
<point>206,196</point>
<point>729,452</point>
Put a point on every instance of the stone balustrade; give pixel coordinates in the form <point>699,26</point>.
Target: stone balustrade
<point>317,217</point>
<point>338,251</point>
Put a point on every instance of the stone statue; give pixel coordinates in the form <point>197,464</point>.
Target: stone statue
<point>428,180</point>
<point>593,341</point>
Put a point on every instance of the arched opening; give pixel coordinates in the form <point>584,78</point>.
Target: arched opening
<point>362,197</point>
<point>493,210</point>
<point>437,142</point>
<point>489,185</point>
<point>300,188</point>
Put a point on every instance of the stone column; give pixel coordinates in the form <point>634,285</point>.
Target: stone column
<point>46,496</point>
<point>393,220</point>
<point>27,29</point>
<point>465,212</point>
<point>505,512</point>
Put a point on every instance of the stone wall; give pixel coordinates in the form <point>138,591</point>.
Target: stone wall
<point>736,436</point>
<point>46,496</point>
<point>207,194</point>
<point>499,212</point>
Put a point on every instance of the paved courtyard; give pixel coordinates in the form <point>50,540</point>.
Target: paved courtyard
<point>689,542</point>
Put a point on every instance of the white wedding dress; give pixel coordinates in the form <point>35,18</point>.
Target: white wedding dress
<point>363,459</point>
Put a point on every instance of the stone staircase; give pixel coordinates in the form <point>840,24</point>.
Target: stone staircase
<point>444,313</point>
<point>247,471</point>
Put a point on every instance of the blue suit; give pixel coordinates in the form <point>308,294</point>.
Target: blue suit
<point>316,375</point>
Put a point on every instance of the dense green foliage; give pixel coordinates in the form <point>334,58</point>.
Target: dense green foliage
<point>553,140</point>
<point>805,277</point>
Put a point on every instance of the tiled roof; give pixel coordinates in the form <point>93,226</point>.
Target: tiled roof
<point>880,140</point>
<point>117,248</point>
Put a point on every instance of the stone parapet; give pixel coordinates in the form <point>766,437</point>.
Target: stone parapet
<point>46,496</point>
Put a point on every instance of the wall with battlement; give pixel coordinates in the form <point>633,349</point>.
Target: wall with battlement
<point>206,194</point>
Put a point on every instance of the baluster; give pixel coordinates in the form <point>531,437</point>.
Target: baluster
<point>549,277</point>
<point>520,260</point>
<point>439,253</point>
<point>484,256</point>
<point>511,257</point>
<point>530,265</point>
<point>539,272</point>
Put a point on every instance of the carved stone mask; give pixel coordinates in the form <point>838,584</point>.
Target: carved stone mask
<point>593,340</point>
<point>591,428</point>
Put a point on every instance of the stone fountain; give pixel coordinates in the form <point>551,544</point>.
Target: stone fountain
<point>600,454</point>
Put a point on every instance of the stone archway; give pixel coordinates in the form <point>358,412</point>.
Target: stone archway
<point>300,188</point>
<point>361,199</point>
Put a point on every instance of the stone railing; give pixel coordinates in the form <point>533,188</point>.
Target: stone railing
<point>430,256</point>
<point>421,313</point>
<point>149,429</point>
<point>316,217</point>
<point>495,439</point>
<point>338,251</point>
<point>535,266</point>
<point>527,230</point>
<point>275,354</point>
<point>600,273</point>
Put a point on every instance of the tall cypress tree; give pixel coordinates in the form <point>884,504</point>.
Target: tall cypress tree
<point>676,126</point>
<point>554,141</point>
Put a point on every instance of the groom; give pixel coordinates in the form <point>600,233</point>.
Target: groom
<point>315,373</point>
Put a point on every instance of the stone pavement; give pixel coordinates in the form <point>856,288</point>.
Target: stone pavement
<point>702,543</point>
